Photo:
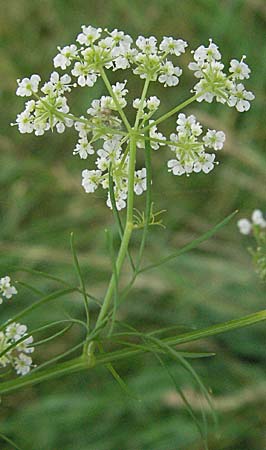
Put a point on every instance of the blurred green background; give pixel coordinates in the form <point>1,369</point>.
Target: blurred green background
<point>41,202</point>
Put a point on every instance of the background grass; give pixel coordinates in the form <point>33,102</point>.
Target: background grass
<point>41,202</point>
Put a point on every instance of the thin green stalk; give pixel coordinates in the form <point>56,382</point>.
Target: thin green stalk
<point>119,263</point>
<point>53,278</point>
<point>116,214</point>
<point>53,336</point>
<point>143,96</point>
<point>185,249</point>
<point>35,305</point>
<point>9,441</point>
<point>81,363</point>
<point>59,370</point>
<point>82,284</point>
<point>31,288</point>
<point>112,255</point>
<point>37,330</point>
<point>191,245</point>
<point>112,94</point>
<point>58,357</point>
<point>148,202</point>
<point>172,112</point>
<point>127,232</point>
<point>131,179</point>
<point>88,122</point>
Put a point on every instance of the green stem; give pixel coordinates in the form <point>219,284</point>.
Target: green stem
<point>116,214</point>
<point>80,277</point>
<point>35,305</point>
<point>117,104</point>
<point>120,259</point>
<point>143,96</point>
<point>172,112</point>
<point>127,231</point>
<point>92,126</point>
<point>131,179</point>
<point>148,203</point>
<point>81,363</point>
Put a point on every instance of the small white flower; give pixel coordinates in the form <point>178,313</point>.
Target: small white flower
<point>240,98</point>
<point>16,353</point>
<point>15,331</point>
<point>57,84</point>
<point>140,184</point>
<point>119,89</point>
<point>214,139</point>
<point>196,68</point>
<point>111,150</point>
<point>22,364</point>
<point>173,46</point>
<point>89,35</point>
<point>257,218</point>
<point>156,135</point>
<point>120,92</point>
<point>244,226</point>
<point>169,74</point>
<point>120,199</point>
<point>24,346</point>
<point>25,122</point>
<point>147,45</point>
<point>27,86</point>
<point>207,53</point>
<point>4,344</point>
<point>136,103</point>
<point>91,180</point>
<point>239,70</point>
<point>153,103</point>
<point>188,125</point>
<point>84,74</point>
<point>83,148</point>
<point>6,290</point>
<point>82,128</point>
<point>175,167</point>
<point>121,62</point>
<point>205,163</point>
<point>95,109</point>
<point>65,56</point>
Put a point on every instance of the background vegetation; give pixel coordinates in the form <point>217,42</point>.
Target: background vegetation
<point>41,202</point>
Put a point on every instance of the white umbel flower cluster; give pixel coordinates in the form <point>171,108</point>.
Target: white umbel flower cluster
<point>190,150</point>
<point>15,348</point>
<point>6,290</point>
<point>246,226</point>
<point>215,84</point>
<point>104,131</point>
